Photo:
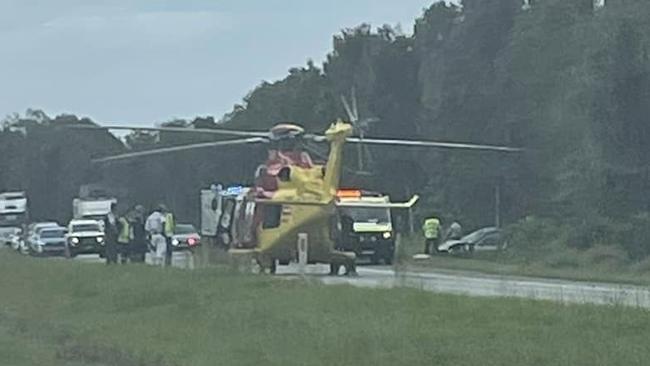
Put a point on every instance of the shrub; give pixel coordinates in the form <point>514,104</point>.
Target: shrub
<point>562,258</point>
<point>642,266</point>
<point>608,255</point>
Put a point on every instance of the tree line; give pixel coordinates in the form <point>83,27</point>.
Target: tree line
<point>569,84</point>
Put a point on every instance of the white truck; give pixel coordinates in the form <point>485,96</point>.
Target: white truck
<point>13,216</point>
<point>369,230</point>
<point>93,204</point>
<point>219,207</point>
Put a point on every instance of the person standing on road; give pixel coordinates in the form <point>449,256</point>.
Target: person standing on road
<point>431,231</point>
<point>455,231</point>
<point>170,227</point>
<point>124,237</point>
<point>110,234</point>
<point>138,247</point>
<point>155,227</point>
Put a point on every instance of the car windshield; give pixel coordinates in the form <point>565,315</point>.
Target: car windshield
<point>368,214</point>
<point>185,229</point>
<point>42,226</point>
<point>478,234</point>
<point>51,234</point>
<point>85,227</point>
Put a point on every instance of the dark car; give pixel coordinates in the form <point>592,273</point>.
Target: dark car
<point>185,237</point>
<point>485,239</point>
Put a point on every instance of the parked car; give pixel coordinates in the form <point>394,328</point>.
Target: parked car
<point>23,244</point>
<point>185,237</point>
<point>485,239</point>
<point>36,226</point>
<point>48,240</point>
<point>84,237</point>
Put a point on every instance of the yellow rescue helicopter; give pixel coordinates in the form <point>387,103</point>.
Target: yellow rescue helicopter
<point>292,195</point>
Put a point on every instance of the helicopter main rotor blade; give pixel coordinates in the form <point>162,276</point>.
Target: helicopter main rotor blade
<point>166,150</point>
<point>272,202</point>
<point>444,145</point>
<point>355,110</point>
<point>176,129</point>
<point>408,204</point>
<point>346,106</point>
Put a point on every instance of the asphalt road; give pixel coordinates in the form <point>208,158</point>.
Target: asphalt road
<point>476,284</point>
<point>179,259</point>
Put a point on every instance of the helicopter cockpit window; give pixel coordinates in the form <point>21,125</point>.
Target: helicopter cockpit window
<point>272,216</point>
<point>284,174</point>
<point>214,204</point>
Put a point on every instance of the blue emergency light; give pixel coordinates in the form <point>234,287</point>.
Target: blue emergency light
<point>234,190</point>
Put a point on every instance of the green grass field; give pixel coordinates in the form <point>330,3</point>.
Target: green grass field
<point>57,312</point>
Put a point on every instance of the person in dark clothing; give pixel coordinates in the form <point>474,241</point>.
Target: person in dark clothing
<point>139,245</point>
<point>110,233</point>
<point>348,241</point>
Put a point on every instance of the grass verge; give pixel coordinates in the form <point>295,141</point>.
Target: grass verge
<point>68,313</point>
<point>561,264</point>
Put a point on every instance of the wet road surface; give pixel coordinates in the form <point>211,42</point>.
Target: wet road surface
<point>476,284</point>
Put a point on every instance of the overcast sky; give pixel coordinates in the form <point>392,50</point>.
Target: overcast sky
<point>147,61</point>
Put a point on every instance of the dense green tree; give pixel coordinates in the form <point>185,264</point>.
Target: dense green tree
<point>567,83</point>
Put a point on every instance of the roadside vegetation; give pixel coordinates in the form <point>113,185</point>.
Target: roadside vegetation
<point>606,251</point>
<point>69,313</point>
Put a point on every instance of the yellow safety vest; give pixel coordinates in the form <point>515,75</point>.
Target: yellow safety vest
<point>431,228</point>
<point>170,226</point>
<point>125,233</point>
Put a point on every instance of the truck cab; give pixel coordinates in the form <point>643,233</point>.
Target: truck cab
<point>84,237</point>
<point>13,216</point>
<point>368,231</point>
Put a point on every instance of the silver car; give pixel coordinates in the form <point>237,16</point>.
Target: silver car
<point>48,241</point>
<point>486,239</point>
<point>23,244</point>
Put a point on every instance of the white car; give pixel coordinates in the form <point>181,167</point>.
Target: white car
<point>84,237</point>
<point>23,244</point>
<point>48,240</point>
<point>486,239</point>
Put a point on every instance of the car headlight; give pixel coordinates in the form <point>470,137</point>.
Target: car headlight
<point>175,242</point>
<point>74,241</point>
<point>100,239</point>
<point>387,235</point>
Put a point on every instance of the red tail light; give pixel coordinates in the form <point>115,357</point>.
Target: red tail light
<point>192,241</point>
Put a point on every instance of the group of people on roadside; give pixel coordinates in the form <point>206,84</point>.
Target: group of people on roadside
<point>434,233</point>
<point>130,236</point>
